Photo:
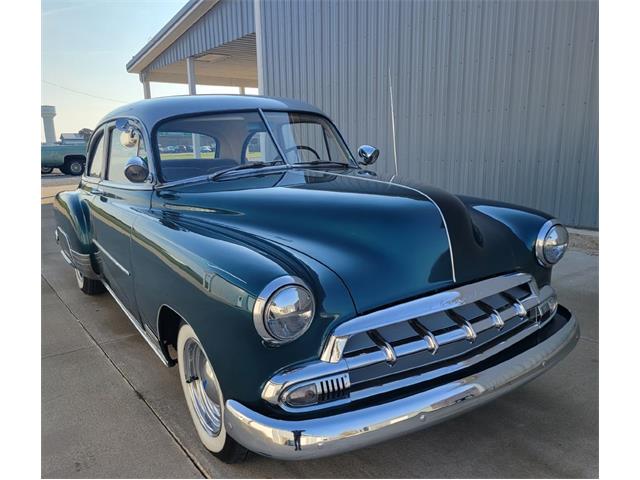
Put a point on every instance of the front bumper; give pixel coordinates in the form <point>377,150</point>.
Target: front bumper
<point>319,437</point>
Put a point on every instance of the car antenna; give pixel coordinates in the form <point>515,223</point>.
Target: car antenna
<point>393,122</point>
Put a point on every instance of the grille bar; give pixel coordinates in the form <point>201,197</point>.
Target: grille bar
<point>466,331</point>
<point>384,346</point>
<point>438,302</point>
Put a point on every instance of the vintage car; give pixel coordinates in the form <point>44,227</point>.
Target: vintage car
<point>69,158</point>
<point>311,305</point>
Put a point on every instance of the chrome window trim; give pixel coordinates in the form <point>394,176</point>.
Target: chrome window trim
<point>110,257</point>
<point>261,301</point>
<point>542,234</point>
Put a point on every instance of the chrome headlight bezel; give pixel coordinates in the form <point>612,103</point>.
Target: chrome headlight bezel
<point>269,292</point>
<point>542,240</point>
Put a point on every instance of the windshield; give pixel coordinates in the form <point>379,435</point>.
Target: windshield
<point>200,145</point>
<point>307,138</point>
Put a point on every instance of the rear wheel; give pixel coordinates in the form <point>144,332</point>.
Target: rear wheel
<point>204,398</point>
<point>73,166</point>
<point>89,285</point>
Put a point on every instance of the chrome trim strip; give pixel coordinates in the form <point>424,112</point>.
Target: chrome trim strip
<point>110,257</point>
<point>318,437</point>
<point>126,186</point>
<point>66,257</point>
<point>77,260</point>
<point>438,302</point>
<point>141,329</point>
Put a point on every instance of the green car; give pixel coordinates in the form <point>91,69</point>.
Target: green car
<point>312,305</point>
<point>68,158</point>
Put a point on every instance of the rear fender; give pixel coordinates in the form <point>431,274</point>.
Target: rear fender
<point>73,232</point>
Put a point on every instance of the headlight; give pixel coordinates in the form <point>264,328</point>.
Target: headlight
<point>284,310</point>
<point>552,242</point>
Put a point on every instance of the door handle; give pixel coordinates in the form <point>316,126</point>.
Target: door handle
<point>96,191</point>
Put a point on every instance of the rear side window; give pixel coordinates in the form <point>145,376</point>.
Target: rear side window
<point>185,145</point>
<point>120,153</point>
<point>97,157</point>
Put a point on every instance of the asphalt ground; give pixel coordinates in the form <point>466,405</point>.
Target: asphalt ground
<point>111,409</point>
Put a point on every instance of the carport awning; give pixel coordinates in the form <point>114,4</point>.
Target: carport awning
<point>231,64</point>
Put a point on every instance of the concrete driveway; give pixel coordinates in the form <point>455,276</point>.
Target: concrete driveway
<point>111,409</point>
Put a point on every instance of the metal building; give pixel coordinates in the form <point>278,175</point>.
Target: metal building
<point>496,99</point>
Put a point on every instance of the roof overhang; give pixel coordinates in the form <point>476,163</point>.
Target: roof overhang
<point>179,24</point>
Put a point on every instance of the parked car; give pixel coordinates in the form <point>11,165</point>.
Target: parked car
<point>68,158</point>
<point>312,306</point>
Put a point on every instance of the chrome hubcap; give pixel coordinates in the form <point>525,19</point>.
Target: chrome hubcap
<point>76,167</point>
<point>202,387</point>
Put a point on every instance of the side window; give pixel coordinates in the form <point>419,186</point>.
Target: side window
<point>186,146</point>
<point>97,157</point>
<point>120,152</point>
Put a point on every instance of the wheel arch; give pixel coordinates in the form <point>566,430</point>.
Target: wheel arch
<point>75,156</point>
<point>168,326</point>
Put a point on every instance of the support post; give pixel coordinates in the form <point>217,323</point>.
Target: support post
<point>242,90</point>
<point>146,86</point>
<point>191,75</point>
<point>191,81</point>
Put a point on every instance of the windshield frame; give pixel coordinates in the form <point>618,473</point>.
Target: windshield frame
<point>153,137</point>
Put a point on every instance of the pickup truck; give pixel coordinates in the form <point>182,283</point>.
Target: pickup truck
<point>68,158</point>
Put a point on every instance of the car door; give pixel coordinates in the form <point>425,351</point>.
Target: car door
<point>116,205</point>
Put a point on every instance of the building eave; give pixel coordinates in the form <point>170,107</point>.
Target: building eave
<point>179,24</point>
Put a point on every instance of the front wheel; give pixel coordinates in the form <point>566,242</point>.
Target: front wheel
<point>89,285</point>
<point>46,169</point>
<point>204,398</point>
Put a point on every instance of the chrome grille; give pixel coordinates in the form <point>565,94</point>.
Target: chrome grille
<point>462,324</point>
<point>419,341</point>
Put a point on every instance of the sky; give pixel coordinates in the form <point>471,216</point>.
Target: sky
<point>85,47</point>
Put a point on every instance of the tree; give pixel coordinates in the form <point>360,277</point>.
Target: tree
<point>86,133</point>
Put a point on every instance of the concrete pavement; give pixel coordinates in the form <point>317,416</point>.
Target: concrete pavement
<point>111,409</point>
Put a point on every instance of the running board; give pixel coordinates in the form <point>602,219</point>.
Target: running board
<point>155,346</point>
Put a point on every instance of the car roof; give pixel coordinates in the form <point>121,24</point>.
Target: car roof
<point>154,110</point>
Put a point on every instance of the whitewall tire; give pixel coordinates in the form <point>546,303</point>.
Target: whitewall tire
<point>204,397</point>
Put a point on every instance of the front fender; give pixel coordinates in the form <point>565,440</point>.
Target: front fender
<point>522,224</point>
<point>211,276</point>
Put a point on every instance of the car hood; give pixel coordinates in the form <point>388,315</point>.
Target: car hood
<point>389,240</point>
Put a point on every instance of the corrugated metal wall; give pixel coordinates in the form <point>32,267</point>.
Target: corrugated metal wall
<point>496,99</point>
<point>228,20</point>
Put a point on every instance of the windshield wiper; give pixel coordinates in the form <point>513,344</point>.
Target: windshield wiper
<point>323,163</point>
<point>244,166</point>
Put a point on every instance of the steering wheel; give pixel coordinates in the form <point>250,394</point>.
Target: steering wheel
<point>297,147</point>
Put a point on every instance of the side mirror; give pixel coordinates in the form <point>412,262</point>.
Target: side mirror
<point>136,170</point>
<point>368,154</point>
